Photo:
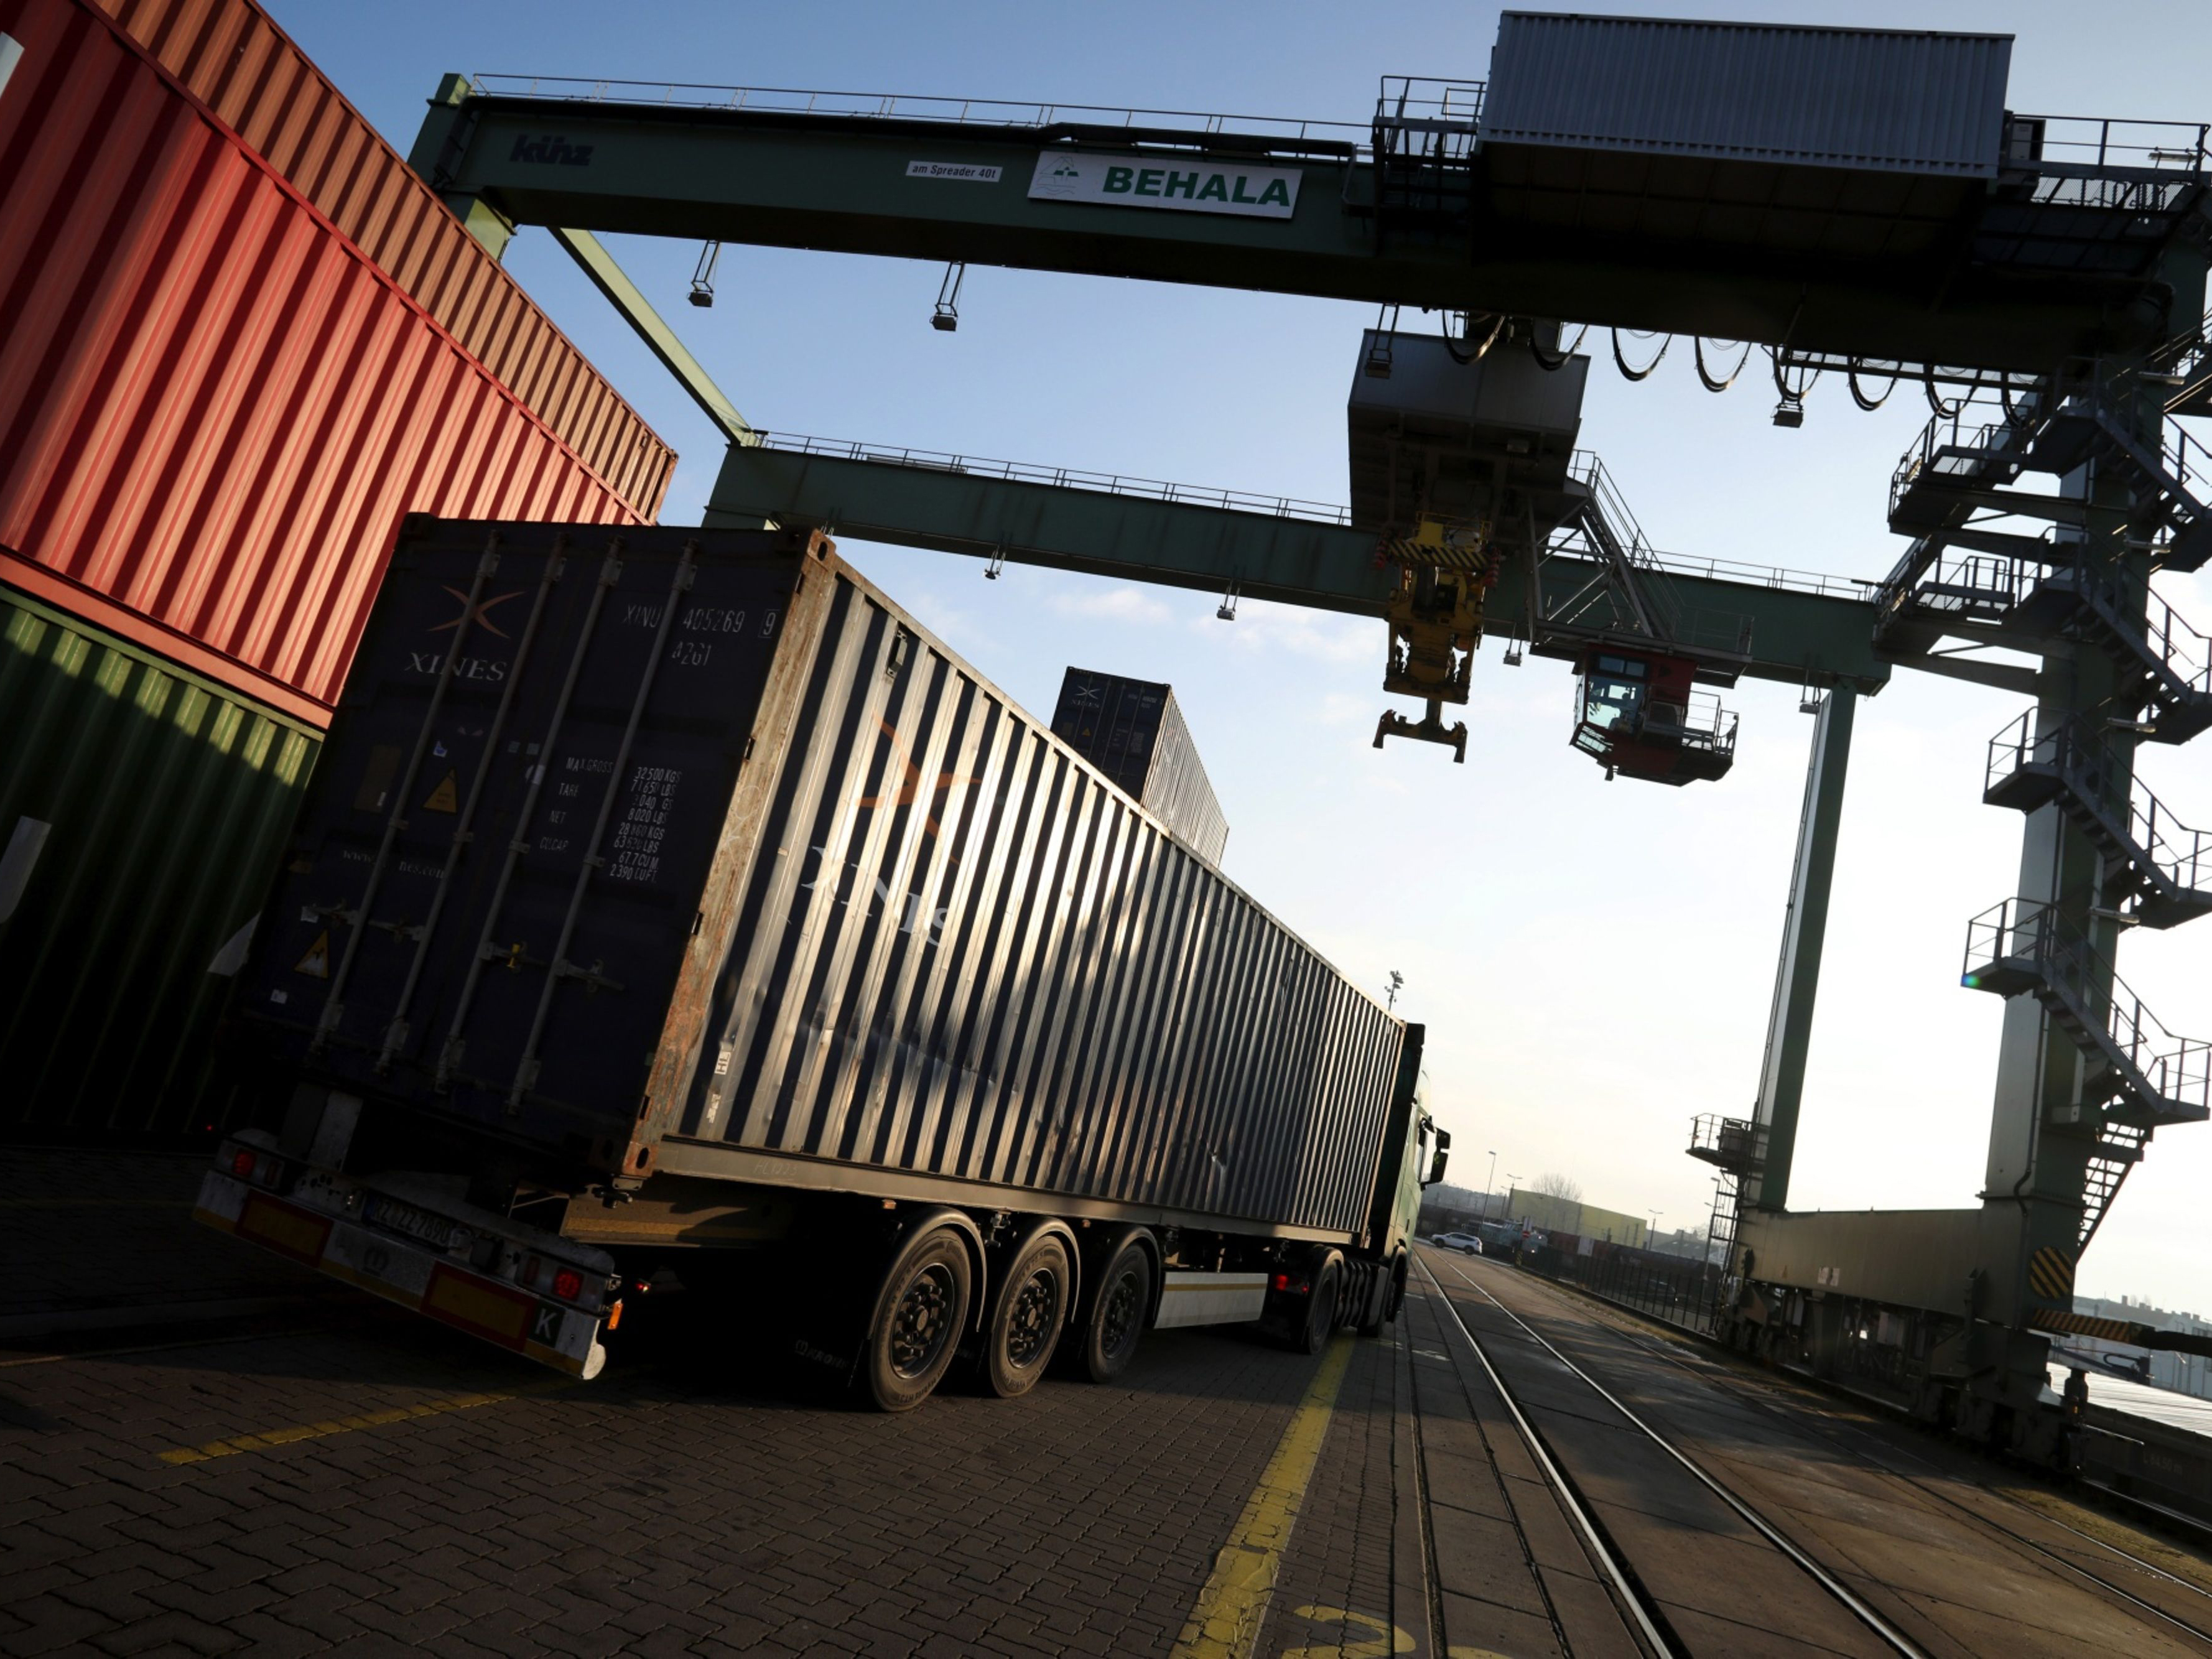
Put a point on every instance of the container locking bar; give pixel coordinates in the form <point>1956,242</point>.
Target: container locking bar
<point>395,1034</point>
<point>610,571</point>
<point>334,1004</point>
<point>525,1071</point>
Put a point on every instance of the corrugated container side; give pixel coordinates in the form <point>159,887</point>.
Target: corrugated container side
<point>962,952</point>
<point>142,813</point>
<point>1134,732</point>
<point>214,410</point>
<point>231,56</point>
<point>1178,789</point>
<point>859,909</point>
<point>1889,100</point>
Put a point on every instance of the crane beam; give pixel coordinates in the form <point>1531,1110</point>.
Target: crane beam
<point>1795,633</point>
<point>959,191</point>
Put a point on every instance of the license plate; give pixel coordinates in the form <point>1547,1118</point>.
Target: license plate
<point>432,1229</point>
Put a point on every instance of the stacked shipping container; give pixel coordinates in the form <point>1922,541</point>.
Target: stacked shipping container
<point>216,408</point>
<point>1134,732</point>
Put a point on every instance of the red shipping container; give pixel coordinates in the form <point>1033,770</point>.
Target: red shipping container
<point>215,409</point>
<point>231,56</point>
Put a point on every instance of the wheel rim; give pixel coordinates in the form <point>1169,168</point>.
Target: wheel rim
<point>922,1321</point>
<point>1032,1319</point>
<point>1117,1321</point>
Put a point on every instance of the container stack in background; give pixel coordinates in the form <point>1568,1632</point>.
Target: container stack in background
<point>240,341</point>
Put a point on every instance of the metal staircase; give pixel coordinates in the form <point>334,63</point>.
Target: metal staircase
<point>2161,868</point>
<point>2165,664</point>
<point>2120,1148</point>
<point>1628,596</point>
<point>2139,1072</point>
<point>1953,469</point>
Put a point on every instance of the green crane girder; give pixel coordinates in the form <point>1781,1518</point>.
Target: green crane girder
<point>1796,635</point>
<point>841,183</point>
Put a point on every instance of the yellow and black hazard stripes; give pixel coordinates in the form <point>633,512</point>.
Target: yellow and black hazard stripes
<point>2051,1274</point>
<point>2074,1324</point>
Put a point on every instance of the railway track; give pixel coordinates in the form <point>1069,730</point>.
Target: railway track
<point>2161,1600</point>
<point>1645,1607</point>
<point>1841,1436</point>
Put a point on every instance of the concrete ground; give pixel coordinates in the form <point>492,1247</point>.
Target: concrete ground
<point>320,1473</point>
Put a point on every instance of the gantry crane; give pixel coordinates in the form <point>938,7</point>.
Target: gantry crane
<point>2048,275</point>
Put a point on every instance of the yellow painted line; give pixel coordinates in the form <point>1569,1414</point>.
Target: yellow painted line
<point>1224,1623</point>
<point>268,1438</point>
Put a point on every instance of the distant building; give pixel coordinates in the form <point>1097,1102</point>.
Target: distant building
<point>1567,1215</point>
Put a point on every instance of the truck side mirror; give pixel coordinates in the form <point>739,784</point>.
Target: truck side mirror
<point>1444,1151</point>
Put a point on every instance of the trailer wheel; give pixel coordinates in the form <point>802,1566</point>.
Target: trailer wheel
<point>1027,1317</point>
<point>1118,1308</point>
<point>1320,1307</point>
<point>919,1313</point>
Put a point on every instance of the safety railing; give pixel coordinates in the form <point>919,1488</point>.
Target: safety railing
<point>1705,724</point>
<point>1060,478</point>
<point>1732,1143</point>
<point>2021,936</point>
<point>906,106</point>
<point>1761,575</point>
<point>1980,587</point>
<point>1951,446</point>
<point>2106,145</point>
<point>1409,98</point>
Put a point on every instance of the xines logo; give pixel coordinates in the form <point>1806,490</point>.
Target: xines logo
<point>913,916</point>
<point>554,150</point>
<point>466,668</point>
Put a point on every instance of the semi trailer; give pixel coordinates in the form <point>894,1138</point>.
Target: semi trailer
<point>670,908</point>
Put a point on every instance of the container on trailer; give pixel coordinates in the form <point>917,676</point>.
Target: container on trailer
<point>688,853</point>
<point>1859,142</point>
<point>1134,733</point>
<point>142,812</point>
<point>215,409</point>
<point>232,57</point>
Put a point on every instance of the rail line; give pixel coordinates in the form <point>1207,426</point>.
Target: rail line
<point>1649,1619</point>
<point>1710,1373</point>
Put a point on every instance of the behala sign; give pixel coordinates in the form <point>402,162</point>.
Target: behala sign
<point>1195,184</point>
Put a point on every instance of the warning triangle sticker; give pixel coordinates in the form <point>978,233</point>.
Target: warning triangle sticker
<point>316,964</point>
<point>446,797</point>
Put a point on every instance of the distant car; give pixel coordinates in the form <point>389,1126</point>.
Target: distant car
<point>1465,1243</point>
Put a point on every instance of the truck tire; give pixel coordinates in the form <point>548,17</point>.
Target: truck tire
<point>1320,1307</point>
<point>1117,1312</point>
<point>1027,1316</point>
<point>920,1311</point>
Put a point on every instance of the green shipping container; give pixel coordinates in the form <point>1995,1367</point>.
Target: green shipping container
<point>142,810</point>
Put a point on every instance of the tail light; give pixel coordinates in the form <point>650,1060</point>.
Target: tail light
<point>1292,1286</point>
<point>242,1163</point>
<point>567,1284</point>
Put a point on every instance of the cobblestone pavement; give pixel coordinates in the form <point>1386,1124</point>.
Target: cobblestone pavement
<point>338,1477</point>
<point>93,1238</point>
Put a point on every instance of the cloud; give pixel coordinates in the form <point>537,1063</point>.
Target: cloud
<point>1317,633</point>
<point>1125,603</point>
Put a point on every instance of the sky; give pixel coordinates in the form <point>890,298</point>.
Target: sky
<point>1593,961</point>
